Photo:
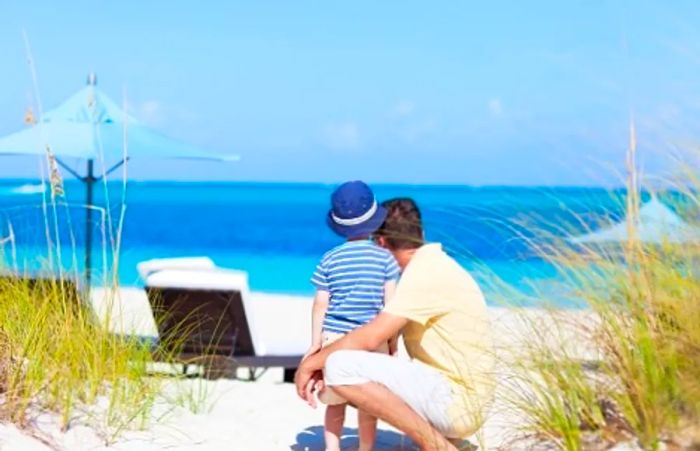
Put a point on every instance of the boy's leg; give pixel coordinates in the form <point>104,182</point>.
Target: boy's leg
<point>335,418</point>
<point>380,401</point>
<point>367,430</point>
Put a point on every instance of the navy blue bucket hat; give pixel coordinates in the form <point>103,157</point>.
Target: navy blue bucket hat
<point>354,210</point>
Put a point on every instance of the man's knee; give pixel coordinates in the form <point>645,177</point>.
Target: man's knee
<point>342,368</point>
<point>336,365</point>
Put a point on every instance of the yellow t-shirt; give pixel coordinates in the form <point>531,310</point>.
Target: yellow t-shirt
<point>448,330</point>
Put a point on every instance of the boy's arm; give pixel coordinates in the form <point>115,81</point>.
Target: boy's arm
<point>389,289</point>
<point>318,313</point>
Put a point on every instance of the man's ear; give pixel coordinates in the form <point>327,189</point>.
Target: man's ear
<point>381,241</point>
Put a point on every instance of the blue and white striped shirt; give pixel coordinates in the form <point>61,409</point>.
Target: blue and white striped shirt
<point>354,274</point>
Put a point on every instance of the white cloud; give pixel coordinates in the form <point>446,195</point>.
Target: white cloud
<point>404,108</point>
<point>342,135</point>
<point>416,131</point>
<point>495,106</point>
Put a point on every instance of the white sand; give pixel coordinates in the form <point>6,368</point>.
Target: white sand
<point>249,416</point>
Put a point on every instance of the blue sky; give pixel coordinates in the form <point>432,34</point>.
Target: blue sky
<point>517,93</point>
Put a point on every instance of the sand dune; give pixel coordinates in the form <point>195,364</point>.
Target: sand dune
<point>239,415</point>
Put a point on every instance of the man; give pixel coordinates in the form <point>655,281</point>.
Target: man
<point>442,393</point>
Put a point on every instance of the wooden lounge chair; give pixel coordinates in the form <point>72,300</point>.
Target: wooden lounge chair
<point>206,317</point>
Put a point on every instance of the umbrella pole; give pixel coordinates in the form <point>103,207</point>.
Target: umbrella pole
<point>89,182</point>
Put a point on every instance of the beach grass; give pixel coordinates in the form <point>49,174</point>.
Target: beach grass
<point>57,358</point>
<point>632,371</point>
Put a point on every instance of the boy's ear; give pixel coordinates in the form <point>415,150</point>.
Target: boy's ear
<point>380,240</point>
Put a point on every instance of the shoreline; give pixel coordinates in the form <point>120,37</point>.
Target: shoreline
<point>135,317</point>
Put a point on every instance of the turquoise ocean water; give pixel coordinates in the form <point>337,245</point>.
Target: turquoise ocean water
<point>277,232</point>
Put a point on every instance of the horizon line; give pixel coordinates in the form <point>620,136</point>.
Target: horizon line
<point>312,183</point>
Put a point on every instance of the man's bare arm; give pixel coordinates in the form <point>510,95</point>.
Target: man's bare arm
<point>368,338</point>
<point>389,290</point>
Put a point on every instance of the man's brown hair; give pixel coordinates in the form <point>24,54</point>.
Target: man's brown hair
<point>403,228</point>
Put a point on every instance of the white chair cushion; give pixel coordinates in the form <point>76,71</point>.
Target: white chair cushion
<point>148,267</point>
<point>206,279</point>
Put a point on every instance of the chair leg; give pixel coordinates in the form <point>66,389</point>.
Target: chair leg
<point>219,367</point>
<point>289,374</point>
<point>255,373</point>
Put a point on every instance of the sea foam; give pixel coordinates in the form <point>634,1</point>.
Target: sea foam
<point>29,189</point>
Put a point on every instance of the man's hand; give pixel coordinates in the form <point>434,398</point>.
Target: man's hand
<point>308,381</point>
<point>368,337</point>
<point>314,387</point>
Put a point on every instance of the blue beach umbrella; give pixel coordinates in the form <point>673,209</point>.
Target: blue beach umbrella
<point>90,126</point>
<point>656,224</point>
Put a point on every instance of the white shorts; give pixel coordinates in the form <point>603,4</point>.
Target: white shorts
<point>328,396</point>
<point>424,389</point>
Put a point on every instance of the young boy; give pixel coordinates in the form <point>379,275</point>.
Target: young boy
<point>353,281</point>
